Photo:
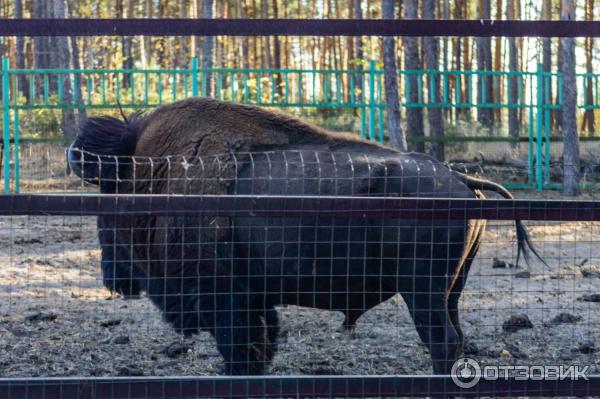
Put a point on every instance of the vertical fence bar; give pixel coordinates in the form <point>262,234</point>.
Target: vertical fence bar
<point>300,80</point>
<point>131,86</point>
<point>246,91</point>
<point>195,76</point>
<point>372,116</point>
<point>363,110</point>
<point>547,146</point>
<point>16,148</point>
<point>539,178</point>
<point>380,105</point>
<point>6,123</point>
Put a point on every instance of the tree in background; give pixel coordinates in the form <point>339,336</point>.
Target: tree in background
<point>412,62</point>
<point>358,55</point>
<point>462,60</point>
<point>277,53</point>
<point>207,51</point>
<point>146,42</point>
<point>484,63</point>
<point>391,81</point>
<point>589,121</point>
<point>20,51</point>
<point>463,54</point>
<point>432,63</point>
<point>69,124</point>
<point>547,53</point>
<point>125,10</point>
<point>569,107</point>
<point>513,83</point>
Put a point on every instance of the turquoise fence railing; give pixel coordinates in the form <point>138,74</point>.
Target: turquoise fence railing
<point>44,89</point>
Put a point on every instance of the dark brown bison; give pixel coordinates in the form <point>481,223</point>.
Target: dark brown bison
<point>226,275</point>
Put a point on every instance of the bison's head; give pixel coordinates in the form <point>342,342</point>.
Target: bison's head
<point>101,153</point>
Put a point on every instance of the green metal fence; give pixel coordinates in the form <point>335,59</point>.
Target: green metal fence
<point>359,90</point>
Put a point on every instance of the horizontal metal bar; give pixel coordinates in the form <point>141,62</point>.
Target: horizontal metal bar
<point>285,386</point>
<point>298,206</point>
<point>295,27</point>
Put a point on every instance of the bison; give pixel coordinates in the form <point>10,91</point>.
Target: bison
<point>226,275</point>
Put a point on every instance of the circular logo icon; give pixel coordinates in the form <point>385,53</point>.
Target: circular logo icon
<point>466,373</point>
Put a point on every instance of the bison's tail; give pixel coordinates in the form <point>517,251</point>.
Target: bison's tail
<point>524,244</point>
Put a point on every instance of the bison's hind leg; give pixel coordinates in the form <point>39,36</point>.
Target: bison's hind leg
<point>246,338</point>
<point>432,321</point>
<point>474,238</point>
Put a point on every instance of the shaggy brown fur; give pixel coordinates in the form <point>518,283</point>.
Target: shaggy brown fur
<point>211,128</point>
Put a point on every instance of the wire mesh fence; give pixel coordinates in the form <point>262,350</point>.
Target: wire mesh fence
<point>290,262</point>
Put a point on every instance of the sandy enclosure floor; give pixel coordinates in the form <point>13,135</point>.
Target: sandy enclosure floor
<point>56,318</point>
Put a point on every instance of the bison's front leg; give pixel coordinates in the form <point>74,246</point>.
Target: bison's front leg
<point>118,275</point>
<point>245,335</point>
<point>118,272</point>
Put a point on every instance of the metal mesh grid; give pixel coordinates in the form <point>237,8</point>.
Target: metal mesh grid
<point>60,319</point>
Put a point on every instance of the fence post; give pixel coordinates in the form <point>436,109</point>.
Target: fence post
<point>6,123</point>
<point>17,165</point>
<point>546,104</point>
<point>539,178</point>
<point>195,77</point>
<point>203,87</point>
<point>372,110</point>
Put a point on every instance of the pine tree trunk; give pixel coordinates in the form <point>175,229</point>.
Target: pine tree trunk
<point>162,41</point>
<point>589,123</point>
<point>81,112</point>
<point>266,40</point>
<point>458,50</point>
<point>547,54</point>
<point>513,83</point>
<point>412,62</point>
<point>569,107</point>
<point>447,112</point>
<point>39,42</point>
<point>484,63</point>
<point>182,60</point>
<point>245,40</point>
<point>497,86</point>
<point>358,55</point>
<point>277,53</point>
<point>20,52</point>
<point>126,42</point>
<point>391,81</point>
<point>434,112</point>
<point>207,51</point>
<point>69,124</point>
<point>559,112</point>
<point>147,40</point>
<point>52,45</point>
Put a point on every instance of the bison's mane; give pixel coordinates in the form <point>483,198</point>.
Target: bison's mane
<point>106,135</point>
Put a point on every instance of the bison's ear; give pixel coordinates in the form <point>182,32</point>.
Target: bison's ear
<point>103,150</point>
